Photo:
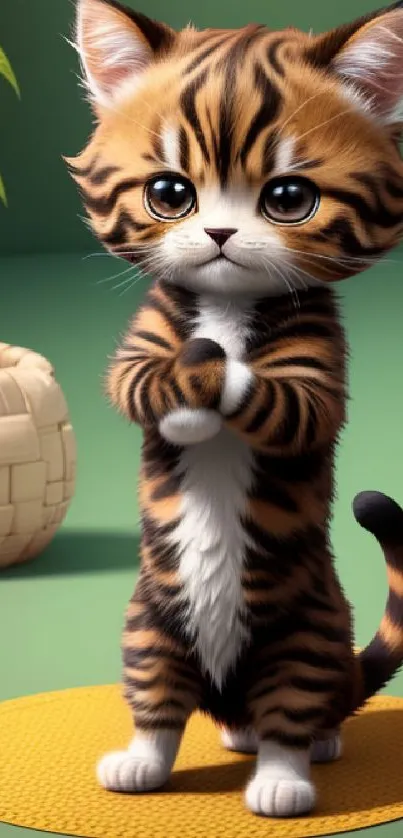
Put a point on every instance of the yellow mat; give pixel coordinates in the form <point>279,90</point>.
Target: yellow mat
<point>49,745</point>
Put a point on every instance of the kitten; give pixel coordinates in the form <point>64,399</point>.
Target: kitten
<point>246,170</point>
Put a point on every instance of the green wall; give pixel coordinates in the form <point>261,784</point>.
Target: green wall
<point>52,119</point>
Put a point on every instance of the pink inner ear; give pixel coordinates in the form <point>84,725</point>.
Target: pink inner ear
<point>385,84</point>
<point>112,49</point>
<point>374,61</point>
<point>111,76</point>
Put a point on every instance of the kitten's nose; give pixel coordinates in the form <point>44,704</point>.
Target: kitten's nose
<point>220,234</point>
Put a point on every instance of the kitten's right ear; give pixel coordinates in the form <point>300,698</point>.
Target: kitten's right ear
<point>367,54</point>
<point>116,45</point>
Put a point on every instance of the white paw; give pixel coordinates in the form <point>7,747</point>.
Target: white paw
<point>123,771</point>
<point>238,379</point>
<point>244,741</point>
<point>280,798</point>
<point>327,750</point>
<point>186,426</point>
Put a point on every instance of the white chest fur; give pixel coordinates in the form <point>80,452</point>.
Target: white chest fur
<point>225,322</point>
<point>216,476</point>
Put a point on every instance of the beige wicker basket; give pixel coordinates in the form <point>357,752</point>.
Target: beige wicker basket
<point>37,454</point>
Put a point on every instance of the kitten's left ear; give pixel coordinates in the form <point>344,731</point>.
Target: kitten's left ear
<point>369,54</point>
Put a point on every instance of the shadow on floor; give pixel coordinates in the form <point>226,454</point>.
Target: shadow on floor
<point>81,552</point>
<point>369,774</point>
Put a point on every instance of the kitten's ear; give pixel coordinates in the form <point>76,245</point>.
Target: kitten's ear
<point>372,59</point>
<point>116,45</point>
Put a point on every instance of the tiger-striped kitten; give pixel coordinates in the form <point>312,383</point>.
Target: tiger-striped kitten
<point>246,170</point>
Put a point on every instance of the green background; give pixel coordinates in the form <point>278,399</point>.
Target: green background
<point>61,616</point>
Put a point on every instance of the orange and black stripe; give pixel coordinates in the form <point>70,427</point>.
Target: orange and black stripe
<point>236,96</point>
<point>296,398</point>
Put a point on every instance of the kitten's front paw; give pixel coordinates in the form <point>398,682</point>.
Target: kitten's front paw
<point>280,798</point>
<point>125,772</point>
<point>187,426</point>
<point>197,351</point>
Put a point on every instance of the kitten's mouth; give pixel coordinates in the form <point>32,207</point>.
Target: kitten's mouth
<point>221,258</point>
<point>216,260</point>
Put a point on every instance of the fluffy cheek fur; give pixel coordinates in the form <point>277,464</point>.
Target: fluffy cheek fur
<point>257,256</point>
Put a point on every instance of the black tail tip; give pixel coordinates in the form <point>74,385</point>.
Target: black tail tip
<point>380,515</point>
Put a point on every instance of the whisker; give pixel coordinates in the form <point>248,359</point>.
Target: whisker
<point>115,276</point>
<point>288,283</point>
<point>305,273</point>
<point>313,280</point>
<point>129,283</point>
<point>129,287</point>
<point>100,253</point>
<point>124,282</point>
<point>299,275</point>
<point>119,112</point>
<point>293,291</point>
<point>85,221</point>
<point>339,259</point>
<point>326,122</point>
<point>299,108</point>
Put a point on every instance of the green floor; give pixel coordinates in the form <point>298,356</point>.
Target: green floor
<point>60,617</point>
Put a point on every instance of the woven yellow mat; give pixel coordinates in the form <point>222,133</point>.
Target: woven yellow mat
<point>49,745</point>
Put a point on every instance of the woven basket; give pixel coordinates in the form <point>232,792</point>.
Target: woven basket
<point>37,454</point>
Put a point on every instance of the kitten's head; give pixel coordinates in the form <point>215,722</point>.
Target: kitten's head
<point>242,161</point>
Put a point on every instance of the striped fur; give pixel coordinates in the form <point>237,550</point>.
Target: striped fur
<point>240,386</point>
<point>233,109</point>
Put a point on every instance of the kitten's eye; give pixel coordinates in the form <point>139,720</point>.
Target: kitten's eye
<point>289,200</point>
<point>169,197</point>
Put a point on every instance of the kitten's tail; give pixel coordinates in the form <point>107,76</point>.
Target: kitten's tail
<point>382,658</point>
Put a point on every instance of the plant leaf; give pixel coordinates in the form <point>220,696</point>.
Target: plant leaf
<point>7,71</point>
<point>3,196</point>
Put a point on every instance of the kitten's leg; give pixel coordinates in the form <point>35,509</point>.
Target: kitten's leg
<point>288,708</point>
<point>284,716</point>
<point>281,785</point>
<point>243,740</point>
<point>201,375</point>
<point>162,692</point>
<point>328,747</point>
<point>145,765</point>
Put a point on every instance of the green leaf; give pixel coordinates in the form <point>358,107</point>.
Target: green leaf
<point>7,71</point>
<point>3,196</point>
